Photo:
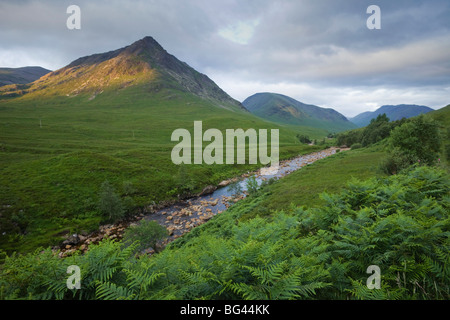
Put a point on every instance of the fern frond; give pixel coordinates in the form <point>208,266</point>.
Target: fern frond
<point>111,291</point>
<point>141,280</point>
<point>269,275</point>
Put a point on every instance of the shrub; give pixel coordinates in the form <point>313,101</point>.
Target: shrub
<point>252,186</point>
<point>395,162</point>
<point>378,129</point>
<point>356,146</point>
<point>349,138</point>
<point>185,184</point>
<point>303,138</point>
<point>110,204</point>
<point>418,139</point>
<point>235,189</point>
<point>147,233</point>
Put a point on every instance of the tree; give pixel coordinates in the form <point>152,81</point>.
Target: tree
<point>419,139</point>
<point>378,129</point>
<point>252,185</point>
<point>148,233</point>
<point>303,138</point>
<point>349,138</point>
<point>110,204</point>
<point>415,141</point>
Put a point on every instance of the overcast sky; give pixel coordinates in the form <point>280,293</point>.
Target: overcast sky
<point>316,51</point>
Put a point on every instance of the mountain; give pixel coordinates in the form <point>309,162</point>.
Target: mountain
<point>144,62</point>
<point>21,75</point>
<point>392,112</point>
<point>283,109</point>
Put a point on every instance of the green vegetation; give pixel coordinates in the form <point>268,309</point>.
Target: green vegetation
<point>378,130</point>
<point>74,156</point>
<point>303,187</point>
<point>55,153</point>
<point>110,204</point>
<point>283,241</point>
<point>418,140</point>
<point>303,138</point>
<point>399,223</point>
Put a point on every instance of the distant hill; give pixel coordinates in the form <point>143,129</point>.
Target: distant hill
<point>21,75</point>
<point>283,109</point>
<point>397,112</point>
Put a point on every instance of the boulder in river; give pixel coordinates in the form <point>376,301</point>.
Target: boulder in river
<point>224,183</point>
<point>72,240</point>
<point>208,190</point>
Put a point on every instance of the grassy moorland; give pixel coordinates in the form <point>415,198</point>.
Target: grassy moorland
<point>399,223</point>
<point>306,248</point>
<point>56,151</point>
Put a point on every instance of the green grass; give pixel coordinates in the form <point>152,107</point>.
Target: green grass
<point>303,187</point>
<point>56,152</point>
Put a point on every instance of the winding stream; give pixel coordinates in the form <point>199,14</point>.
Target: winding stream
<point>185,215</point>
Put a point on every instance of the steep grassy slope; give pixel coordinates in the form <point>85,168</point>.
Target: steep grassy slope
<point>283,109</point>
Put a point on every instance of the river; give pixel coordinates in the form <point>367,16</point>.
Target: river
<point>185,215</point>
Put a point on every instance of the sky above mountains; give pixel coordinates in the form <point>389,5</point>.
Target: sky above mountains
<point>318,52</point>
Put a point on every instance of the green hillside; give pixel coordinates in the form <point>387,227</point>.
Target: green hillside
<point>442,115</point>
<point>283,109</point>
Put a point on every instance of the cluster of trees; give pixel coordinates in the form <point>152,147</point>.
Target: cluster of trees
<point>303,138</point>
<point>399,223</point>
<point>378,129</point>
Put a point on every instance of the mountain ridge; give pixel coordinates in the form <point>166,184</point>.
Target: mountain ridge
<point>22,75</point>
<point>284,109</point>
